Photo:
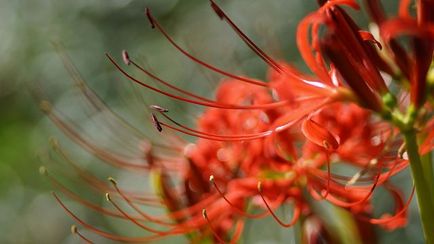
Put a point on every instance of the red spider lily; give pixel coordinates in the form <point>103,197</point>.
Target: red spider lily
<point>262,145</point>
<point>224,177</point>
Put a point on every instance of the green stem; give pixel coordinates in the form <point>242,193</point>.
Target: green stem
<point>428,171</point>
<point>424,198</point>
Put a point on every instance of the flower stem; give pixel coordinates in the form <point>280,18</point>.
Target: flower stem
<point>424,198</point>
<point>427,167</point>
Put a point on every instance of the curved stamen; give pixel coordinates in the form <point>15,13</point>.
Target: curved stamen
<point>99,185</point>
<point>216,138</point>
<point>228,137</point>
<point>385,220</point>
<point>82,201</point>
<point>216,235</point>
<point>279,125</point>
<point>108,198</point>
<point>344,204</point>
<point>204,64</point>
<point>74,230</point>
<point>296,214</point>
<point>107,234</point>
<point>132,205</point>
<point>167,84</point>
<point>243,213</point>
<point>222,15</point>
<point>105,155</point>
<point>91,96</point>
<point>192,101</point>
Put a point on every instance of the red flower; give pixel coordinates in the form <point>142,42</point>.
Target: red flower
<point>264,144</point>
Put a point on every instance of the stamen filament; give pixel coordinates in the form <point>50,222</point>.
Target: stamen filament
<point>392,218</point>
<point>106,156</point>
<point>131,218</point>
<point>248,215</point>
<point>222,15</point>
<point>74,230</point>
<point>202,103</point>
<point>132,205</point>
<point>107,234</point>
<point>206,65</point>
<point>296,214</point>
<point>168,84</point>
<point>216,235</point>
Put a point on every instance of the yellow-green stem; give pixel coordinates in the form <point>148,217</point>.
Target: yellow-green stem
<point>424,198</point>
<point>427,167</point>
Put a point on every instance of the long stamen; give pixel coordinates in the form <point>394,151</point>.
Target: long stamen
<point>248,215</point>
<point>74,230</point>
<point>108,198</point>
<point>132,205</point>
<point>167,84</point>
<point>178,214</point>
<point>392,218</point>
<point>216,235</point>
<point>222,15</point>
<point>209,66</point>
<point>192,101</point>
<point>216,136</point>
<point>80,200</point>
<point>106,156</point>
<point>92,97</point>
<point>107,234</point>
<point>296,214</point>
<point>100,105</point>
<point>214,104</point>
<point>96,183</point>
<point>280,125</point>
<point>344,204</point>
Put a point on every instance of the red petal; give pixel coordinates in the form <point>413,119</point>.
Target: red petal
<point>318,135</point>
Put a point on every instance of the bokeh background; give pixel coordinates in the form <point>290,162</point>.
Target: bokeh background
<point>31,30</point>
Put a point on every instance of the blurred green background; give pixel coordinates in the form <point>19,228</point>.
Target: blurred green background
<point>89,29</point>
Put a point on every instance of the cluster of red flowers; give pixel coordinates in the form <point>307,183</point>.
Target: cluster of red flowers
<point>265,144</point>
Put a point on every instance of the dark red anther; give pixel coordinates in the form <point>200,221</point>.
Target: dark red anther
<point>217,10</point>
<point>159,109</point>
<point>156,123</point>
<point>126,57</point>
<point>150,18</point>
